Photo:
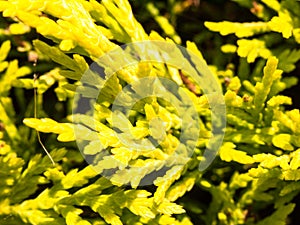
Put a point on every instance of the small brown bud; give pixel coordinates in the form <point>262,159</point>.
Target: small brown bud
<point>227,81</point>
<point>246,98</point>
<point>2,126</point>
<point>32,56</point>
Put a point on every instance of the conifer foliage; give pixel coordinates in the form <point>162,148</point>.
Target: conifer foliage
<point>255,176</point>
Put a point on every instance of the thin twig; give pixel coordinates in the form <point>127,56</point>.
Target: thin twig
<point>35,116</point>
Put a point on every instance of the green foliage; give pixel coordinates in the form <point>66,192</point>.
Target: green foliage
<point>277,33</point>
<point>256,171</point>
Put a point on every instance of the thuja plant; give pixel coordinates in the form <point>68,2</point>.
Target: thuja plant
<point>253,180</point>
<point>276,32</point>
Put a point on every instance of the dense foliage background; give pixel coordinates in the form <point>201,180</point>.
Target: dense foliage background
<point>255,178</point>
